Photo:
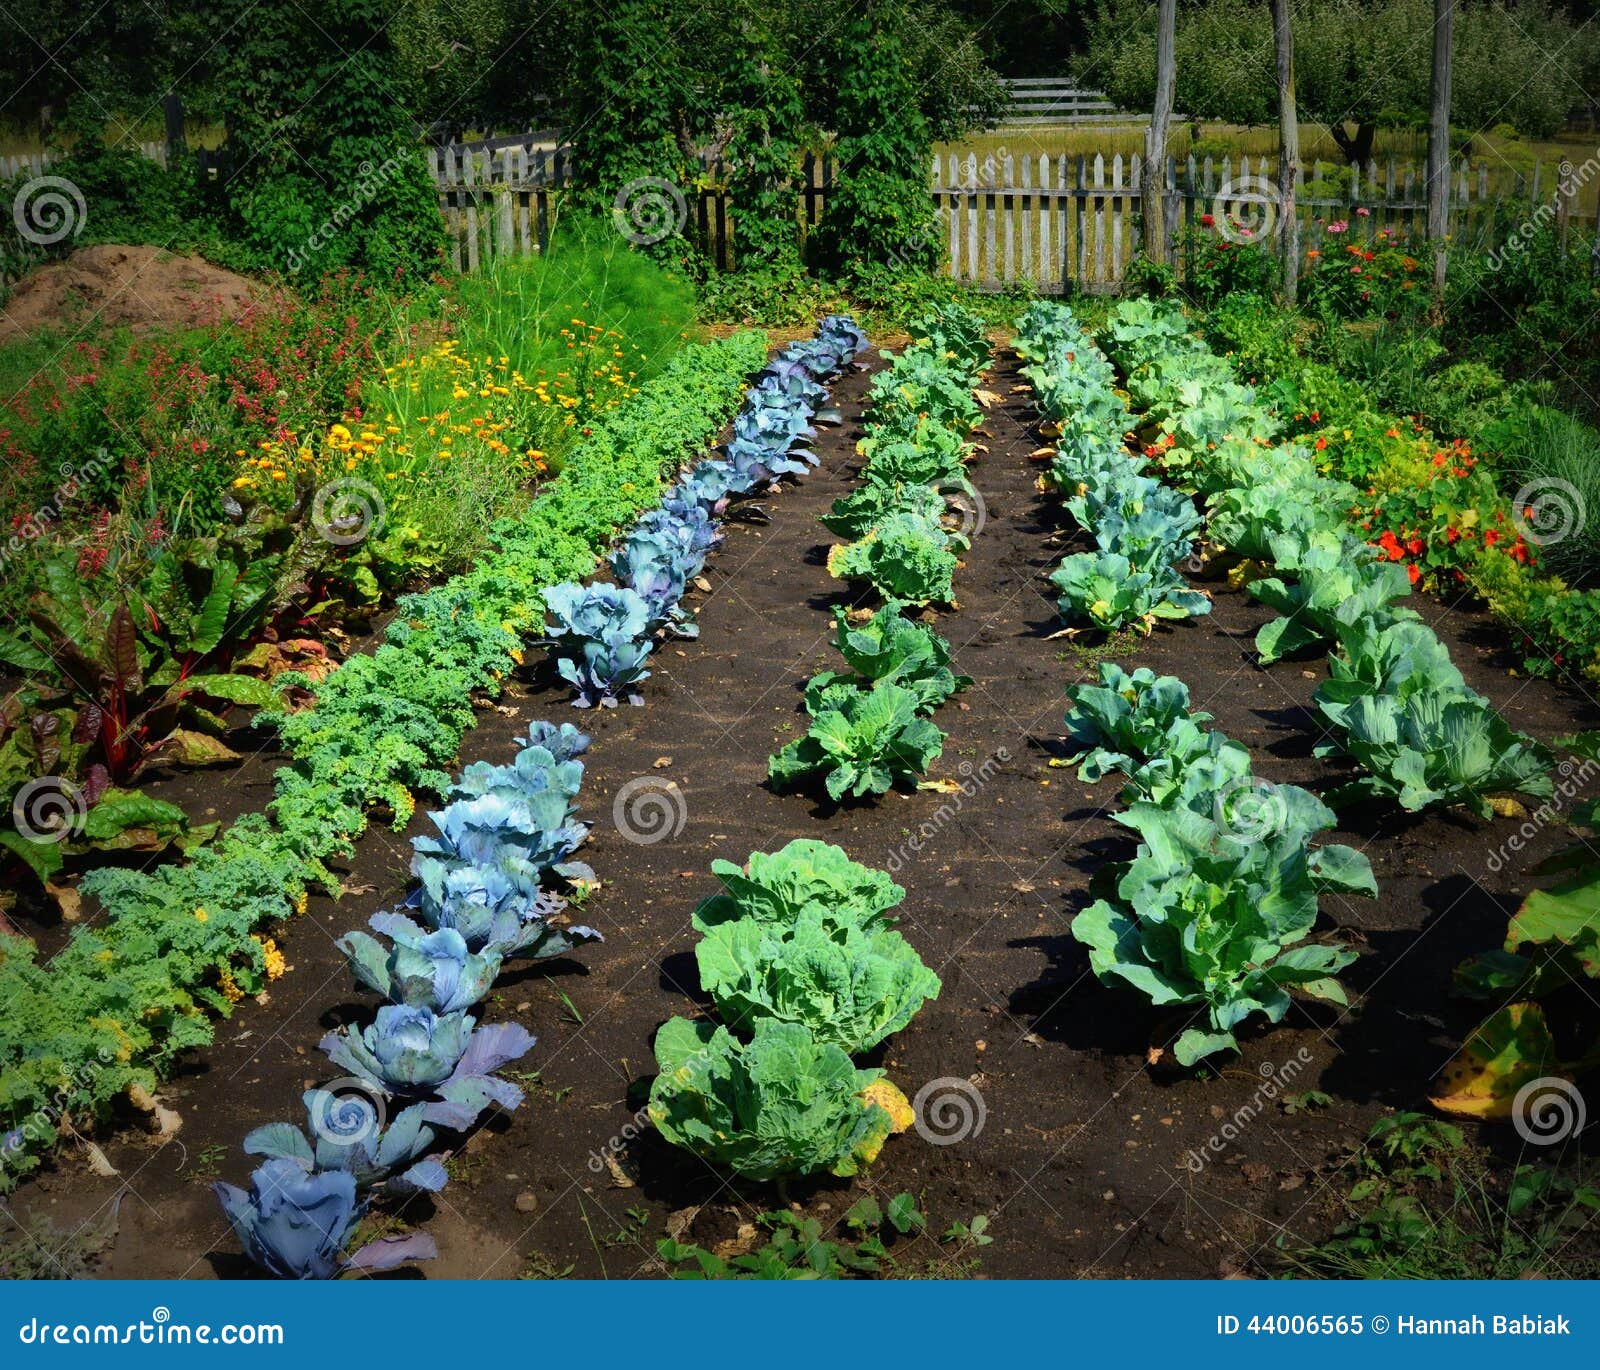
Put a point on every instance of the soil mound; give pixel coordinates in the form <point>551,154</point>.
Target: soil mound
<point>140,287</point>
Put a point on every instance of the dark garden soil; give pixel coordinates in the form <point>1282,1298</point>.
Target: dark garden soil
<point>1089,1161</point>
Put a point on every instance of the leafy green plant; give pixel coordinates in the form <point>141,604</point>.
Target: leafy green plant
<point>782,1105</point>
<point>1105,592</point>
<point>906,556</point>
<point>861,741</point>
<point>777,888</point>
<point>862,1244</point>
<point>1126,720</point>
<point>891,648</point>
<point>849,986</point>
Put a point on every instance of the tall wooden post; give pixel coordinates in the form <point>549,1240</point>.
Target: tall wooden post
<point>1288,151</point>
<point>1444,18</point>
<point>1156,247</point>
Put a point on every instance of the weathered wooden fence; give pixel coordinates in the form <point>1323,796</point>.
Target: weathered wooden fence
<point>37,163</point>
<point>1056,223</point>
<point>1077,221</point>
<point>1052,100</point>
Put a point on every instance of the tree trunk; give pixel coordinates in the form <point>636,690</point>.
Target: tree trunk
<point>1288,151</point>
<point>1357,147</point>
<point>1156,247</point>
<point>1444,18</point>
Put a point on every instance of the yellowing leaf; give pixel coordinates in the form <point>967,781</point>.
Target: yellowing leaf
<point>1510,1048</point>
<point>889,1097</point>
<point>1506,806</point>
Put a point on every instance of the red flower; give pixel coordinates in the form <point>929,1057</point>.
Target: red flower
<point>1208,221</point>
<point>1416,545</point>
<point>1490,537</point>
<point>1414,573</point>
<point>1321,443</point>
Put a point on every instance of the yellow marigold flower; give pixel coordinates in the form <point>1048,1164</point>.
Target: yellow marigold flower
<point>201,915</point>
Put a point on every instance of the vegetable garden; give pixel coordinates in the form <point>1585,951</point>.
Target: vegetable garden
<point>1131,855</point>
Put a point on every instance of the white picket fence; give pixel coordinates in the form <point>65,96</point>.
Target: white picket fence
<point>1076,221</point>
<point>37,163</point>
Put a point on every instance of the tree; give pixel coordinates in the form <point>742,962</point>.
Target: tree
<point>879,211</point>
<point>1288,149</point>
<point>323,165</point>
<point>1360,64</point>
<point>1155,144</point>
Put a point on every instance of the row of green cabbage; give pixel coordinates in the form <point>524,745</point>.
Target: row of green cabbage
<point>870,726</point>
<point>1212,914</point>
<point>1141,527</point>
<point>1395,703</point>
